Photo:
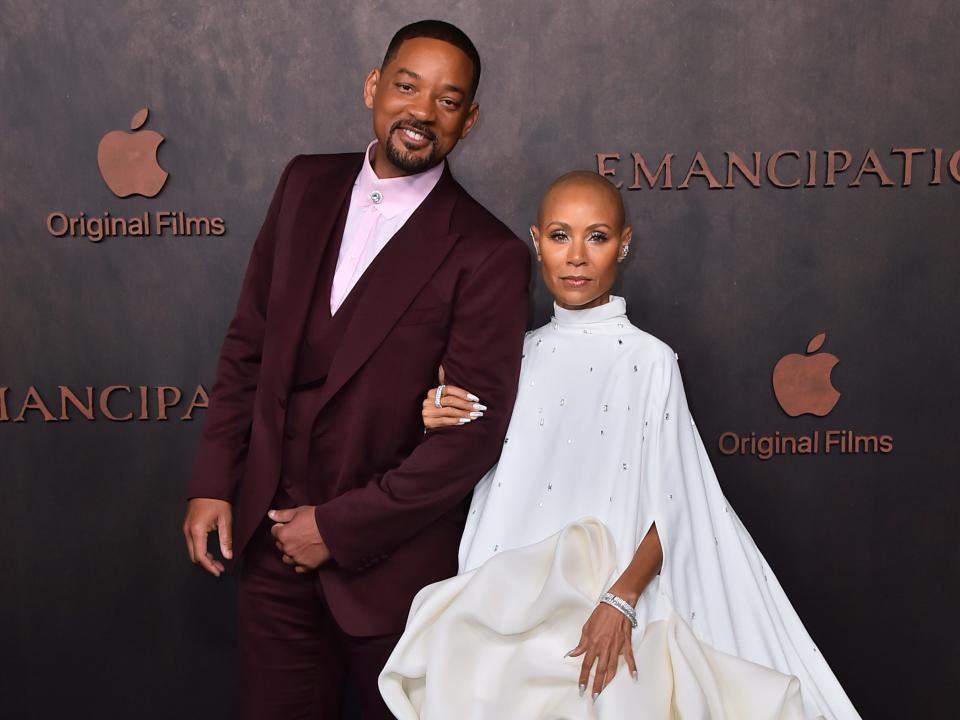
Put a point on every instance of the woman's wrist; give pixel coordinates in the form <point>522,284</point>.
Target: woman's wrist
<point>631,596</point>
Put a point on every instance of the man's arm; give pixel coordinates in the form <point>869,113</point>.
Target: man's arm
<point>362,526</point>
<point>226,432</point>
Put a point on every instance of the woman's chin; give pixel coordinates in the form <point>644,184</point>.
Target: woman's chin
<point>580,299</point>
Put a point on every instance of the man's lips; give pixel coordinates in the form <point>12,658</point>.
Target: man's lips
<point>414,139</point>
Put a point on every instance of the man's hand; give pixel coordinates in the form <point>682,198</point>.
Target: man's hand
<point>204,515</point>
<point>298,538</point>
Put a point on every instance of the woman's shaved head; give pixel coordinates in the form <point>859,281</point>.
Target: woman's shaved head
<point>589,181</point>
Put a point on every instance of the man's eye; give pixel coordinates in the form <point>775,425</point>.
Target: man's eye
<point>404,87</point>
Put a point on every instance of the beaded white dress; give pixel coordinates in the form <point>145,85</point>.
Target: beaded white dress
<point>600,446</point>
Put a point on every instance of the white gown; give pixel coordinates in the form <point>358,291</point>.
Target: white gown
<point>600,446</point>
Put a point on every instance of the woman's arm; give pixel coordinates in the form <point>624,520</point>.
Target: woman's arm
<point>607,634</point>
<point>641,570</point>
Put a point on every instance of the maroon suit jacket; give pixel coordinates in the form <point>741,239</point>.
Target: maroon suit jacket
<point>452,289</point>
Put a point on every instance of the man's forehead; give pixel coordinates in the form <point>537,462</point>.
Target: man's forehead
<point>421,48</point>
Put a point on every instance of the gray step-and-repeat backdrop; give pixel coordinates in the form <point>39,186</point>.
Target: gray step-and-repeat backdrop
<point>792,172</point>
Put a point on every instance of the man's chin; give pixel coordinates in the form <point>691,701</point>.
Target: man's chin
<point>410,162</point>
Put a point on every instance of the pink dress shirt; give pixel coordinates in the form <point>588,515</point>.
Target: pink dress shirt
<point>378,208</point>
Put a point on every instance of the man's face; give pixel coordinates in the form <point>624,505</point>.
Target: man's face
<point>421,106</point>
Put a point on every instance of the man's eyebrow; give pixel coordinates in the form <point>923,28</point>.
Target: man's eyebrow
<point>454,88</point>
<point>411,73</point>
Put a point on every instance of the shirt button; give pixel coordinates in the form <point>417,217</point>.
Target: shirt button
<point>376,198</point>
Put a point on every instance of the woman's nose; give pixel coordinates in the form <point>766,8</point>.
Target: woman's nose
<point>576,255</point>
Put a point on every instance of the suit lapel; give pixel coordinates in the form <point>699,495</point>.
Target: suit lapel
<point>397,275</point>
<point>314,223</point>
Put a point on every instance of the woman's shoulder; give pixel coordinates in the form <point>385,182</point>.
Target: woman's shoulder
<point>649,347</point>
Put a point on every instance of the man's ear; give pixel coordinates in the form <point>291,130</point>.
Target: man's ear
<point>370,87</point>
<point>472,116</point>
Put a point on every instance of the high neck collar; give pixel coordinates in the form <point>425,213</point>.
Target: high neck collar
<point>613,310</point>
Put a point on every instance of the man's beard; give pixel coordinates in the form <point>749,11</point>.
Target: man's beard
<point>401,158</point>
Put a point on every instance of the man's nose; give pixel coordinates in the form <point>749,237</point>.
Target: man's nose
<point>422,109</point>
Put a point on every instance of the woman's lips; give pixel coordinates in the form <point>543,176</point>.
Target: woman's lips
<point>575,281</point>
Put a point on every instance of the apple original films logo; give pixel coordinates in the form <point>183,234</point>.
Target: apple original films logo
<point>128,160</point>
<point>128,165</point>
<point>802,386</point>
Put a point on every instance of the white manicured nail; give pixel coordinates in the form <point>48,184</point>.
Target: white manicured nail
<point>478,406</point>
<point>476,414</point>
<point>595,696</point>
<point>583,689</point>
<point>472,397</point>
<point>464,421</point>
<point>634,674</point>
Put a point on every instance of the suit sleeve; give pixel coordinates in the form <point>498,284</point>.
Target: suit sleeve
<point>363,526</point>
<point>226,433</point>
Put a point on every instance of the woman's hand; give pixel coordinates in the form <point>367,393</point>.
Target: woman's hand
<point>605,637</point>
<point>458,407</point>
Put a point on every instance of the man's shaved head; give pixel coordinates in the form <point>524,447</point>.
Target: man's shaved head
<point>586,180</point>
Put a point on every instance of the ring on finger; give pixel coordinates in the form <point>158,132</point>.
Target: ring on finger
<point>439,395</point>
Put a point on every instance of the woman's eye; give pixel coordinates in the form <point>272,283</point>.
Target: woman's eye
<point>598,236</point>
<point>558,236</point>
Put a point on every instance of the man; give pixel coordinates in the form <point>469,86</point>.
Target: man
<point>370,271</point>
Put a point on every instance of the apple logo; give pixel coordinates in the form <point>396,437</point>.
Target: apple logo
<point>802,382</point>
<point>128,160</point>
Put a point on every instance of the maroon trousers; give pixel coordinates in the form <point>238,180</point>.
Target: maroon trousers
<point>295,660</point>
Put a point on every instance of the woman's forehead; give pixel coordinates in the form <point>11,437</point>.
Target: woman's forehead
<point>581,201</point>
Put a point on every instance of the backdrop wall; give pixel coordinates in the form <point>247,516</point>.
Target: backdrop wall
<point>104,614</point>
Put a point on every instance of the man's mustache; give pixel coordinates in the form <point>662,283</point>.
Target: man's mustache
<point>420,127</point>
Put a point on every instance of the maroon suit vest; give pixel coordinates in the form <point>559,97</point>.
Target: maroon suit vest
<point>301,478</point>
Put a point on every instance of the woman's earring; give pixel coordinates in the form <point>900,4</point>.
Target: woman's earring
<point>626,249</point>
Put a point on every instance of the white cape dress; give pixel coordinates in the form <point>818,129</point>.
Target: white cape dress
<point>600,446</point>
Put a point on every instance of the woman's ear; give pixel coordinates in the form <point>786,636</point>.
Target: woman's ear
<point>535,237</point>
<point>625,237</point>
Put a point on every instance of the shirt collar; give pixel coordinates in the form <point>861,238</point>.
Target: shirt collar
<point>396,195</point>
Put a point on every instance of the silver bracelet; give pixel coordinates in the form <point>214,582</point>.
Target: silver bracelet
<point>618,603</point>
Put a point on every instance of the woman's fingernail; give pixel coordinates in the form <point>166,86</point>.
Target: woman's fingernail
<point>634,674</point>
<point>464,421</point>
<point>476,414</point>
<point>583,689</point>
<point>472,398</point>
<point>594,696</point>
<point>478,406</point>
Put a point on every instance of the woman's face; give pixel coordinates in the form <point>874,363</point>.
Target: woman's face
<point>580,239</point>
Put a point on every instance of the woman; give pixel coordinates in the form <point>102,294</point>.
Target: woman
<point>603,490</point>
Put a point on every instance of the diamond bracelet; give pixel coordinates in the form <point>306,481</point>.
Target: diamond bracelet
<point>618,603</point>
